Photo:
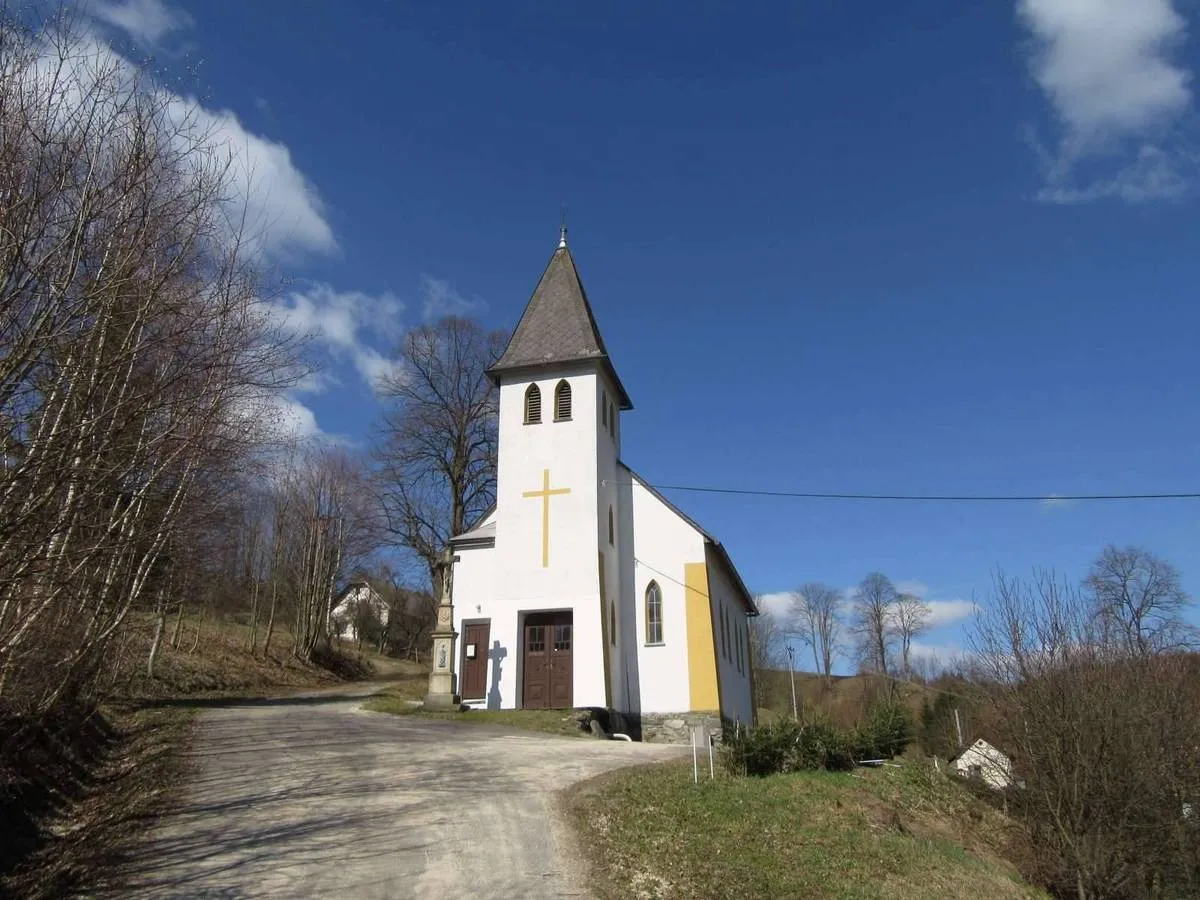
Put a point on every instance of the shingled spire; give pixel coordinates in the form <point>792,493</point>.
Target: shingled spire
<point>558,326</point>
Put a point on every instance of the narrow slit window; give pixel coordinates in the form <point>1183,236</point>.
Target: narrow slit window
<point>562,402</point>
<point>654,614</point>
<point>612,623</point>
<point>604,410</point>
<point>533,405</point>
<point>612,531</point>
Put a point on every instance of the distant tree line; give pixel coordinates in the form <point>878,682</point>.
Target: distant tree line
<point>876,623</point>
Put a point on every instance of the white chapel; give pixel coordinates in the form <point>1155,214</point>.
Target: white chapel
<point>583,586</point>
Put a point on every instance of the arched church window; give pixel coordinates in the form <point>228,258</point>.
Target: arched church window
<point>611,530</point>
<point>562,402</point>
<point>654,614</point>
<point>533,405</point>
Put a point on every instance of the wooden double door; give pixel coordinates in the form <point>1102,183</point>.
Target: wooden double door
<point>547,661</point>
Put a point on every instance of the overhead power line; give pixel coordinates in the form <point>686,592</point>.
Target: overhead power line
<point>927,498</point>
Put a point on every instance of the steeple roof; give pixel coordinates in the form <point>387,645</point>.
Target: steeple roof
<point>558,326</point>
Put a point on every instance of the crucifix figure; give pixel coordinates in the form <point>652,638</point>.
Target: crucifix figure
<point>546,493</point>
<point>441,679</point>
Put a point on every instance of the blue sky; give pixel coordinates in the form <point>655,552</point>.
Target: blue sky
<point>873,247</point>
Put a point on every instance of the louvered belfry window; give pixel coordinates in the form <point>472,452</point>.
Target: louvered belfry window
<point>533,405</point>
<point>562,402</point>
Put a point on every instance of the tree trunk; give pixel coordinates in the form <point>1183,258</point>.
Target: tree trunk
<point>178,630</point>
<point>271,618</point>
<point>199,628</point>
<point>253,637</point>
<point>160,626</point>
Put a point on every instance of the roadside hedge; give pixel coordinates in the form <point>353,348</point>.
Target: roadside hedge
<point>790,746</point>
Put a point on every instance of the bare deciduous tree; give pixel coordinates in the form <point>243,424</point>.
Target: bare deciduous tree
<point>136,359</point>
<point>873,607</point>
<point>1139,598</point>
<point>437,458</point>
<point>910,620</point>
<point>815,611</point>
<point>329,531</point>
<point>1102,740</point>
<point>768,650</point>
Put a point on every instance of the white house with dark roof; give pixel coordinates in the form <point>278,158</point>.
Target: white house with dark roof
<point>983,762</point>
<point>583,586</point>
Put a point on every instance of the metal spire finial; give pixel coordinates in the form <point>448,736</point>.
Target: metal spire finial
<point>562,230</point>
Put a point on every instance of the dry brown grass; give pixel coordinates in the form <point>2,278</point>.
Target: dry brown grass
<point>843,701</point>
<point>220,664</point>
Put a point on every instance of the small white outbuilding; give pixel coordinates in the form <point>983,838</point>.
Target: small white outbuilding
<point>350,605</point>
<point>983,762</point>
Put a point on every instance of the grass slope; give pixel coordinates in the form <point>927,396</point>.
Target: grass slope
<point>396,700</point>
<point>894,833</point>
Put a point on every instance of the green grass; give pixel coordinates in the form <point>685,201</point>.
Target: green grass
<point>894,833</point>
<point>394,700</point>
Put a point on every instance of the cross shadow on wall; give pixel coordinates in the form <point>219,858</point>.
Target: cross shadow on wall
<point>497,655</point>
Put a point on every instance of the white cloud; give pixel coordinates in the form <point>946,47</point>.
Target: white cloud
<point>943,653</point>
<point>279,417</point>
<point>774,603</point>
<point>344,323</point>
<point>146,22</point>
<point>275,206</point>
<point>916,588</point>
<point>1106,68</point>
<point>439,298</point>
<point>294,420</point>
<point>947,612</point>
<point>271,204</point>
<point>1051,503</point>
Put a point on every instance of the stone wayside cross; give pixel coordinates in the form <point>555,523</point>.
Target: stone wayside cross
<point>441,679</point>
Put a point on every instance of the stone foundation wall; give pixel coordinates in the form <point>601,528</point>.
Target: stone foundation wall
<point>664,728</point>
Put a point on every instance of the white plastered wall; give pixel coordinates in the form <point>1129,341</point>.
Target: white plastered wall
<point>661,544</point>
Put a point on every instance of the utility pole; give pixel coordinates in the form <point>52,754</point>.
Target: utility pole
<point>792,672</point>
<point>958,727</point>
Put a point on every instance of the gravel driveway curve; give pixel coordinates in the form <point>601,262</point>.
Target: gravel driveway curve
<point>312,796</point>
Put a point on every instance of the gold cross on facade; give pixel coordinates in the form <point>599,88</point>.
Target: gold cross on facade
<point>546,493</point>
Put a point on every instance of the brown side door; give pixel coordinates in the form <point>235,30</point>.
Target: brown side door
<point>475,661</point>
<point>549,666</point>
